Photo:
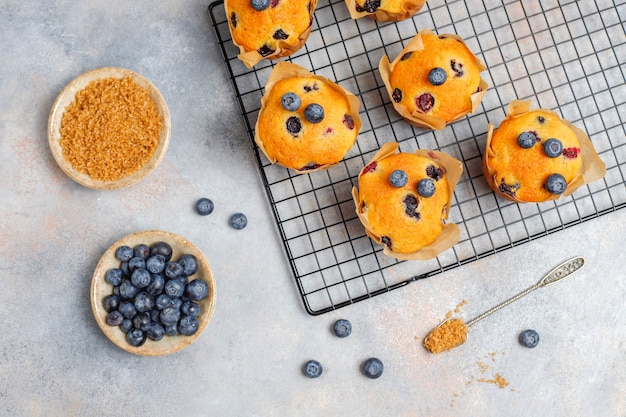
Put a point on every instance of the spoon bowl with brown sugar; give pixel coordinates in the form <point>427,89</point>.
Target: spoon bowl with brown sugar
<point>452,332</point>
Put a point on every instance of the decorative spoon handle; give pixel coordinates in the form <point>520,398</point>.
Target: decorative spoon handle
<point>565,269</point>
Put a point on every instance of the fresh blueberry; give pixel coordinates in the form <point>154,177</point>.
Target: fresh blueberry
<point>124,253</point>
<point>238,221</point>
<point>197,289</point>
<point>314,113</point>
<point>127,290</point>
<point>290,101</point>
<point>172,330</point>
<point>114,318</point>
<point>126,325</point>
<point>136,263</point>
<point>204,206</point>
<point>163,301</point>
<point>189,308</point>
<point>144,302</point>
<point>155,315</point>
<point>437,76</point>
<point>177,303</point>
<point>529,338</point>
<point>426,187</point>
<point>526,140</point>
<point>161,248</point>
<point>154,331</point>
<point>141,278</point>
<point>155,264</point>
<point>157,284</point>
<point>127,309</point>
<point>125,268</point>
<point>141,251</point>
<point>135,337</point>
<point>174,288</point>
<point>373,368</point>
<point>260,5</point>
<point>398,178</point>
<point>553,148</point>
<point>169,316</point>
<point>114,276</point>
<point>189,263</point>
<point>141,321</point>
<point>312,369</point>
<point>342,328</point>
<point>173,270</point>
<point>555,184</point>
<point>111,302</point>
<point>183,280</point>
<point>188,325</point>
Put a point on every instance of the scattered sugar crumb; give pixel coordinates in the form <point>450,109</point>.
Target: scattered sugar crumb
<point>498,380</point>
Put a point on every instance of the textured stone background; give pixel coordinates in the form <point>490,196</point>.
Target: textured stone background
<point>55,361</point>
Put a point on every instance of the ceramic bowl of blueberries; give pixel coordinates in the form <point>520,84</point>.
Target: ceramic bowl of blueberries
<point>153,293</point>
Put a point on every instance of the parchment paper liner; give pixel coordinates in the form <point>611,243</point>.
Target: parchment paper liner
<point>592,169</point>
<point>283,49</point>
<point>284,70</point>
<point>418,118</point>
<point>409,8</point>
<point>450,234</point>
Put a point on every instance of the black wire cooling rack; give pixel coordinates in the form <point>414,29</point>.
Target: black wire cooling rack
<point>569,56</point>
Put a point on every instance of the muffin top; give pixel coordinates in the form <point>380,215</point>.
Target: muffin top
<point>533,157</point>
<point>403,201</point>
<point>307,122</point>
<point>269,28</point>
<point>435,77</point>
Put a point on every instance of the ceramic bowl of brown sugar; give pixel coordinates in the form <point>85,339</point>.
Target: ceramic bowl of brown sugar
<point>109,128</point>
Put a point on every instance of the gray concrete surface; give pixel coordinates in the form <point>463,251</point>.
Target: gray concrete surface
<point>55,361</point>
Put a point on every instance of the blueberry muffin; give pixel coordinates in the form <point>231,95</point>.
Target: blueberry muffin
<point>403,201</point>
<point>434,81</point>
<point>306,121</point>
<point>268,28</point>
<point>535,156</point>
<point>384,10</point>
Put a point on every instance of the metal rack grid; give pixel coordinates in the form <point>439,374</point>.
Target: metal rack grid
<point>569,56</point>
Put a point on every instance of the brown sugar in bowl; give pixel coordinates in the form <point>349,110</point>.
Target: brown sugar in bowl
<point>109,128</point>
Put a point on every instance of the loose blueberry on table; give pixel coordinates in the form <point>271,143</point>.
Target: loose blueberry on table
<point>312,369</point>
<point>204,207</point>
<point>238,221</point>
<point>373,368</point>
<point>147,305</point>
<point>529,338</point>
<point>342,328</point>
